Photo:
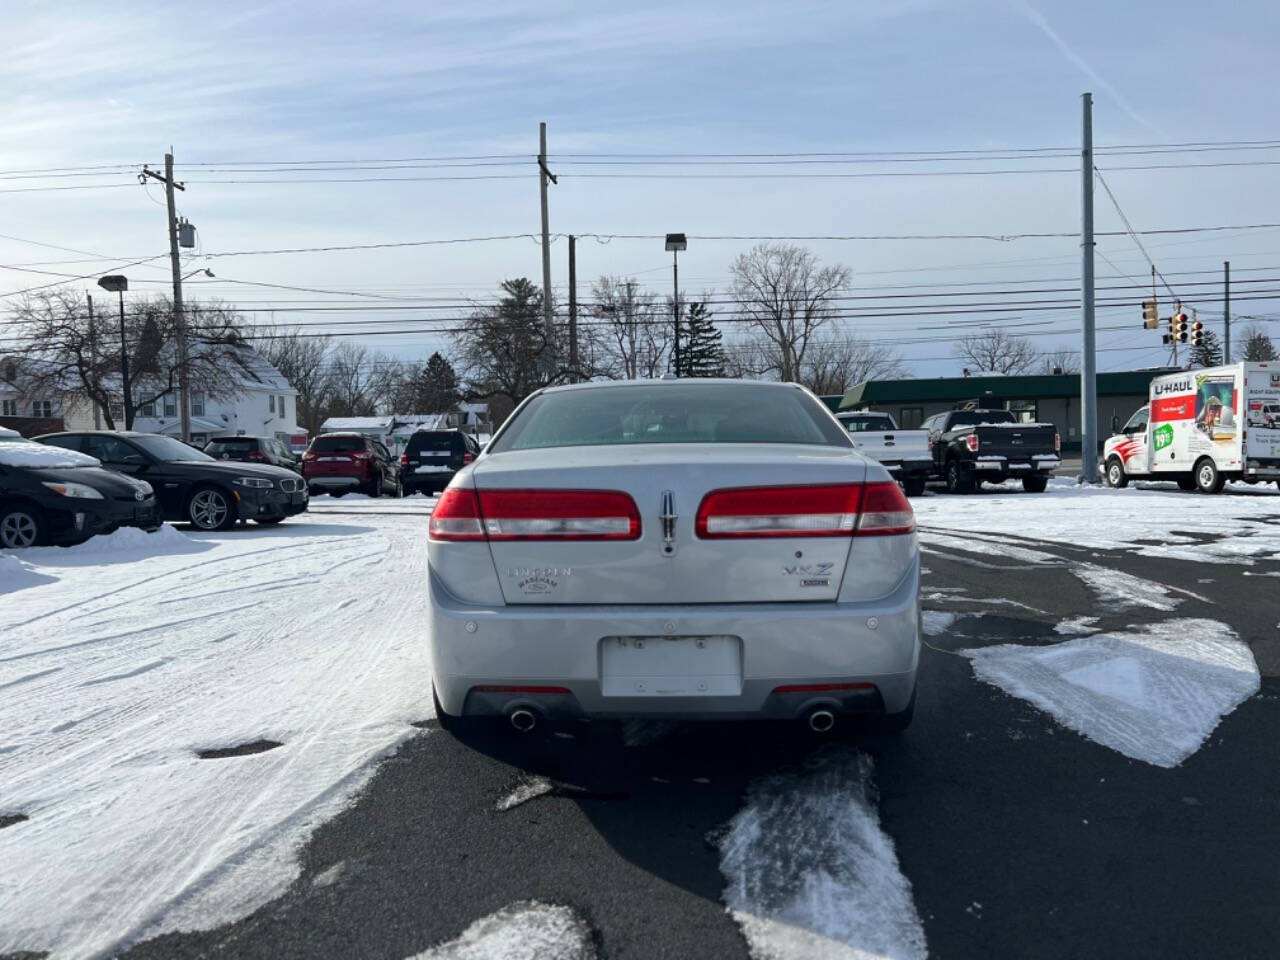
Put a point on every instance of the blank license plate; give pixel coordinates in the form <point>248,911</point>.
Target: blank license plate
<point>671,666</point>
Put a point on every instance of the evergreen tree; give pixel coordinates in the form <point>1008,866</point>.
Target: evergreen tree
<point>1258,347</point>
<point>436,387</point>
<point>701,349</point>
<point>1209,353</point>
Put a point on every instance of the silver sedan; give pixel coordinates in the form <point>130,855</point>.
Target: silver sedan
<point>685,548</point>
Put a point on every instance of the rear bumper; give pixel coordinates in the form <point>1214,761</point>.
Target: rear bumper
<point>334,483</point>
<point>900,469</point>
<point>988,467</point>
<point>426,481</point>
<point>782,645</point>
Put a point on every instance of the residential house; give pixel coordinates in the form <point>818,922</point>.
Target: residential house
<point>33,410</point>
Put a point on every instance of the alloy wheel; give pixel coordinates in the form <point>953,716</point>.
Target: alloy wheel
<point>18,529</point>
<point>208,510</point>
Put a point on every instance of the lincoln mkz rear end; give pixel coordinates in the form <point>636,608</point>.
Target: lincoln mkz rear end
<point>698,549</point>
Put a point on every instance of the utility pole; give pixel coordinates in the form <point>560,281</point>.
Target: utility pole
<point>675,306</point>
<point>179,319</point>
<point>545,175</point>
<point>124,368</point>
<point>573,307</point>
<point>1226,311</point>
<point>1088,353</point>
<point>93,363</point>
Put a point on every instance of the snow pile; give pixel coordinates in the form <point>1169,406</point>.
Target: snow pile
<point>1153,693</point>
<point>937,622</point>
<point>132,540</point>
<point>114,678</point>
<point>811,874</point>
<point>28,454</point>
<point>522,931</point>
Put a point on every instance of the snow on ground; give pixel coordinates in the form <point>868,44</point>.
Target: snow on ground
<point>1153,693</point>
<point>416,503</point>
<point>522,931</point>
<point>135,652</point>
<point>1156,520</point>
<point>811,874</point>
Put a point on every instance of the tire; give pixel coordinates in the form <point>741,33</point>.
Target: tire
<point>22,526</point>
<point>209,508</point>
<point>375,489</point>
<point>398,492</point>
<point>1187,483</point>
<point>957,480</point>
<point>340,492</point>
<point>1116,477</point>
<point>1209,478</point>
<point>1035,484</point>
<point>269,521</point>
<point>913,486</point>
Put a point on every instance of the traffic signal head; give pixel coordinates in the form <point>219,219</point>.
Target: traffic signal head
<point>1178,327</point>
<point>1197,333</point>
<point>1150,315</point>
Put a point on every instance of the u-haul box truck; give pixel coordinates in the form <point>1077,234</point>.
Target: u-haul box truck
<point>1203,428</point>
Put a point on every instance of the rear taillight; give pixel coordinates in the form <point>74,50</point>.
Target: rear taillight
<point>362,455</point>
<point>467,458</point>
<point>308,455</point>
<point>971,441</point>
<point>464,514</point>
<point>257,455</point>
<point>1057,442</point>
<point>874,509</point>
<point>885,511</point>
<point>404,459</point>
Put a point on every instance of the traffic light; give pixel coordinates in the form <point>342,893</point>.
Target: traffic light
<point>1150,315</point>
<point>1178,327</point>
<point>1197,333</point>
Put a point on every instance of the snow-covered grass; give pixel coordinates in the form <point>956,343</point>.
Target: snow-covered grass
<point>1153,692</point>
<point>1152,519</point>
<point>811,874</point>
<point>114,674</point>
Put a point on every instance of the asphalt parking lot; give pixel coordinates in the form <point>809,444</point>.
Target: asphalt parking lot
<point>1018,836</point>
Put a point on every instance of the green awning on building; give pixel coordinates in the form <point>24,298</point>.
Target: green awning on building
<point>871,393</point>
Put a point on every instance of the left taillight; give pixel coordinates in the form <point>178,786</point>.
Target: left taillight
<point>972,442</point>
<point>1057,442</point>
<point>465,514</point>
<point>837,510</point>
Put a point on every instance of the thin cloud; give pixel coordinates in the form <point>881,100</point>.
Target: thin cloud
<point>1079,62</point>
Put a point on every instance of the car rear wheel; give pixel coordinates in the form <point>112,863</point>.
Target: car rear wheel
<point>210,509</point>
<point>375,488</point>
<point>957,480</point>
<point>1116,477</point>
<point>1035,484</point>
<point>1208,478</point>
<point>398,492</point>
<point>21,526</point>
<point>913,486</point>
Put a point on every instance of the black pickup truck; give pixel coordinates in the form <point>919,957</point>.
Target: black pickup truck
<point>970,446</point>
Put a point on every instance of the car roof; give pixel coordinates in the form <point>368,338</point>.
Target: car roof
<point>701,382</point>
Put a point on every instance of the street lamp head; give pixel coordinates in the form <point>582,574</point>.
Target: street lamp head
<point>677,241</point>
<point>114,283</point>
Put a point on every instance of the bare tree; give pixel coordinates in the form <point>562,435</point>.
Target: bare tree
<point>69,353</point>
<point>634,328</point>
<point>352,381</point>
<point>997,351</point>
<point>747,358</point>
<point>302,360</point>
<point>788,296</point>
<point>833,366</point>
<point>1062,360</point>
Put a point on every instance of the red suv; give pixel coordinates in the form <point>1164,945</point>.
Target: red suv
<point>338,463</point>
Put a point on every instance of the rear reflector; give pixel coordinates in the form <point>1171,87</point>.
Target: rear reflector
<point>822,687</point>
<point>464,514</point>
<point>826,511</point>
<point>873,509</point>
<point>972,442</point>
<point>885,511</point>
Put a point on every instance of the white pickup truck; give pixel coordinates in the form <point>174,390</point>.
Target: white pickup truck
<point>904,453</point>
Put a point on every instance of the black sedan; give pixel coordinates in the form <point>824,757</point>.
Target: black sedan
<point>192,486</point>
<point>59,497</point>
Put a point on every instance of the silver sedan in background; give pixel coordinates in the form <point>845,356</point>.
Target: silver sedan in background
<point>679,548</point>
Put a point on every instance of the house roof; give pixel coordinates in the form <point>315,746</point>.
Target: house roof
<point>956,389</point>
<point>334,424</point>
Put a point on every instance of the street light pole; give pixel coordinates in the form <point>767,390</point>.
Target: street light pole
<point>119,284</point>
<point>675,243</point>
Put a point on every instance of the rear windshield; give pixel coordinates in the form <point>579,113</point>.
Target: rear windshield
<point>337,444</point>
<point>671,413</point>
<point>433,440</point>
<point>867,424</point>
<point>971,418</point>
<point>232,445</point>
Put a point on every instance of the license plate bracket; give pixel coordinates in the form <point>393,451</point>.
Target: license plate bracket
<point>661,666</point>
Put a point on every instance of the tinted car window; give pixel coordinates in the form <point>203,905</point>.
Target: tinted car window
<point>381,450</point>
<point>231,445</point>
<point>439,441</point>
<point>169,449</point>
<point>331,444</point>
<point>867,424</point>
<point>671,413</point>
<point>112,450</point>
<point>971,418</point>
<point>67,443</point>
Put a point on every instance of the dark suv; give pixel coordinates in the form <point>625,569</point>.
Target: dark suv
<point>252,450</point>
<point>339,463</point>
<point>432,457</point>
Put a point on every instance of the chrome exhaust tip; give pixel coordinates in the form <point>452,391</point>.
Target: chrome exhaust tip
<point>821,721</point>
<point>523,719</point>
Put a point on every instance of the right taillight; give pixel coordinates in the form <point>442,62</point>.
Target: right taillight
<point>971,441</point>
<point>465,514</point>
<point>1057,442</point>
<point>885,511</point>
<point>834,510</point>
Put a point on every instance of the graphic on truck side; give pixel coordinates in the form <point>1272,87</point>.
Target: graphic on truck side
<point>1216,415</point>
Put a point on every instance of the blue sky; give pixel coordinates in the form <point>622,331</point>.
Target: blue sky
<point>88,84</point>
